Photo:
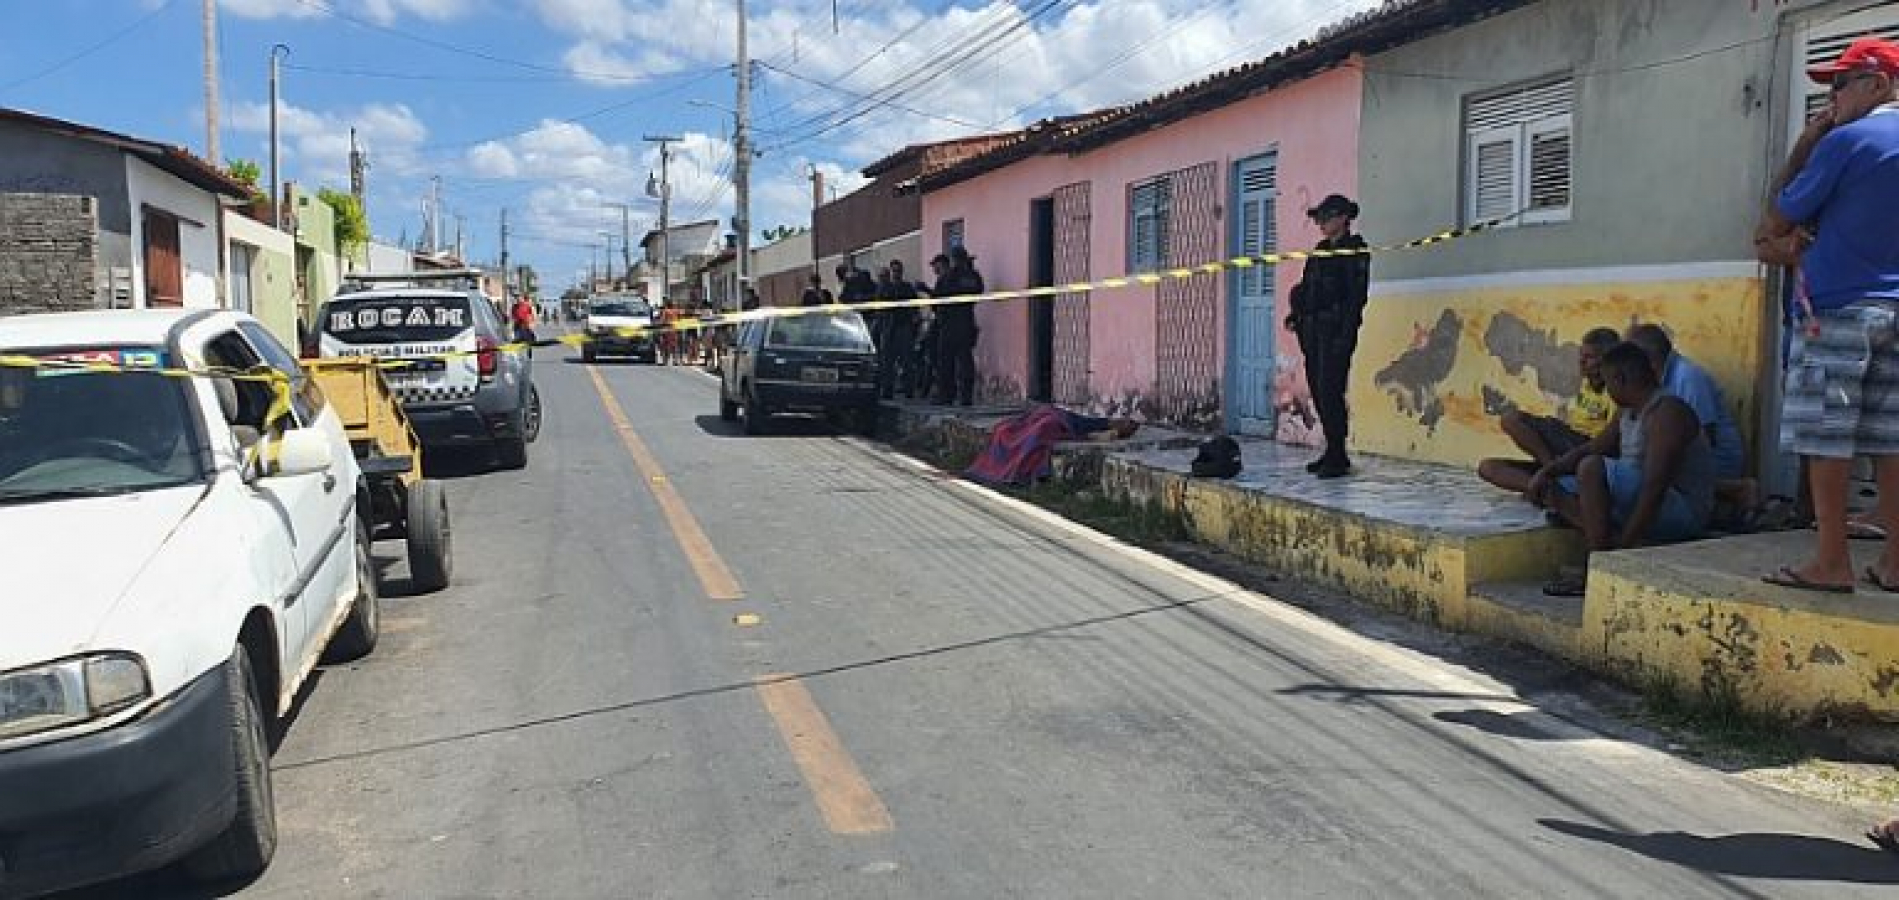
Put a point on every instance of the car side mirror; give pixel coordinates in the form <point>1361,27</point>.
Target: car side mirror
<point>303,451</point>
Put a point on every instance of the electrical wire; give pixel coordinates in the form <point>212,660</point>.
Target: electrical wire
<point>507,79</point>
<point>447,46</point>
<point>92,48</point>
<point>854,94</point>
<point>987,43</point>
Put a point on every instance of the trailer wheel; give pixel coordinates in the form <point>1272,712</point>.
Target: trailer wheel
<point>431,559</point>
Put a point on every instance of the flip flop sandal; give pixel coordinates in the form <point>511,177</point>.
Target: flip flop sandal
<point>1788,578</point>
<point>1865,531</point>
<point>1882,836</point>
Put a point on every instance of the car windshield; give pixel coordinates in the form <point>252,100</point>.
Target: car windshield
<point>65,433</point>
<point>629,308</point>
<point>396,318</point>
<point>820,331</point>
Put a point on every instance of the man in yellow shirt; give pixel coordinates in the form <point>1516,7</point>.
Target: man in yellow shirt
<point>1547,438</point>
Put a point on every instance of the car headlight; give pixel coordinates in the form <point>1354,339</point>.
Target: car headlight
<point>69,692</point>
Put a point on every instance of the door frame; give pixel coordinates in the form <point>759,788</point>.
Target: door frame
<point>1232,300</point>
<point>1040,381</point>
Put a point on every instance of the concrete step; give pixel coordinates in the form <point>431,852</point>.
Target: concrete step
<point>1410,536</point>
<point>1519,611</point>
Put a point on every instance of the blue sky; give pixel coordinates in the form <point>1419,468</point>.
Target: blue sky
<point>539,106</point>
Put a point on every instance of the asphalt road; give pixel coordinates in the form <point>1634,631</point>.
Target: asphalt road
<point>943,694</point>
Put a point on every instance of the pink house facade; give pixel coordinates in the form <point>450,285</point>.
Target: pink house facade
<point>1090,203</point>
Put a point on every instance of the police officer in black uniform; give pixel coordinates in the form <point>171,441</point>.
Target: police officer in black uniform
<point>1328,305</point>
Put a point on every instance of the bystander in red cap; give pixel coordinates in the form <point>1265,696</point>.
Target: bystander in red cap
<point>1868,54</point>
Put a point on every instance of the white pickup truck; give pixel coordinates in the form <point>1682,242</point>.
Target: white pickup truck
<point>168,589</point>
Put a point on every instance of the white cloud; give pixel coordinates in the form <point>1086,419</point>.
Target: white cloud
<point>316,143</point>
<point>384,11</point>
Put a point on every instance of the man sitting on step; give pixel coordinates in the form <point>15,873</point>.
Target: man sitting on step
<point>1646,479</point>
<point>1546,438</point>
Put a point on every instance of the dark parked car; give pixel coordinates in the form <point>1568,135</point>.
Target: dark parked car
<point>817,362</point>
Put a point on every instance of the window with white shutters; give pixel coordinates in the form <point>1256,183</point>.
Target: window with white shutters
<point>1149,213</point>
<point>1519,150</point>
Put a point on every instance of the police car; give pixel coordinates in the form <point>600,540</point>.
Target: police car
<point>177,559</point>
<point>486,398</point>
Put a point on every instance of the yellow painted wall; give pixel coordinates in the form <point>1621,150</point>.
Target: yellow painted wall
<point>1717,322</point>
<point>1776,661</point>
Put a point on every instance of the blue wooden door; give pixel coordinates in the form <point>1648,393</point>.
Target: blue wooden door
<point>1250,309</point>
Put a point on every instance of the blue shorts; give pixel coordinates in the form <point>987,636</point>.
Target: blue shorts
<point>1674,521</point>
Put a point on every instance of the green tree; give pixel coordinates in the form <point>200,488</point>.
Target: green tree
<point>248,174</point>
<point>352,224</point>
<point>782,232</point>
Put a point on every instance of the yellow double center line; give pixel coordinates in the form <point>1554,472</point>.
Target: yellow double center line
<point>844,796</point>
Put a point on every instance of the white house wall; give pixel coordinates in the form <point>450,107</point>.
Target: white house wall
<point>147,185</point>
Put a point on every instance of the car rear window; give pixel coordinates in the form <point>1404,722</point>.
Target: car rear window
<point>397,318</point>
<point>820,331</point>
<point>621,308</point>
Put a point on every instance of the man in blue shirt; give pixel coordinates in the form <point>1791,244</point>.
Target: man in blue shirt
<point>1833,202</point>
<point>1693,385</point>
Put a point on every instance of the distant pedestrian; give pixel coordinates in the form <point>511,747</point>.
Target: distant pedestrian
<point>523,317</point>
<point>1840,184</point>
<point>957,331</point>
<point>854,285</point>
<point>897,332</point>
<point>1328,305</point>
<point>815,293</point>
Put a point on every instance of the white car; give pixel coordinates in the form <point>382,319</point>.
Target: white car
<point>606,316</point>
<point>173,571</point>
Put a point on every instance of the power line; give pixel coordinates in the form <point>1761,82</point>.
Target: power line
<point>941,50</point>
<point>989,42</point>
<point>476,53</point>
<point>854,94</point>
<point>506,79</point>
<point>582,117</point>
<point>95,47</point>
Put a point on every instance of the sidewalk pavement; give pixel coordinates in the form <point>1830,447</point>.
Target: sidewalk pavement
<point>1437,544</point>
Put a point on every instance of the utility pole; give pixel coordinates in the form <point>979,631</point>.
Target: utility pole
<point>608,237</point>
<point>277,53</point>
<point>507,277</point>
<point>211,84</point>
<point>357,167</point>
<point>626,237</point>
<point>742,166</point>
<point>435,214</point>
<point>460,255</point>
<point>665,215</point>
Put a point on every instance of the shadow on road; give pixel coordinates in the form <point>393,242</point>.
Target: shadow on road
<point>787,426</point>
<point>164,884</point>
<point>1519,725</point>
<point>462,462</point>
<point>1785,857</point>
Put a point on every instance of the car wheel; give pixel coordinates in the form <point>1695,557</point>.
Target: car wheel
<point>244,849</point>
<point>755,414</point>
<point>728,410</point>
<point>864,420</point>
<point>362,628</point>
<point>531,415</point>
<point>586,353</point>
<point>431,559</point>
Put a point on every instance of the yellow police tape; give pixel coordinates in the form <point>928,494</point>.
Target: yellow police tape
<point>281,386</point>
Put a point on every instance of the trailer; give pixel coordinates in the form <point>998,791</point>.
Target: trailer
<point>402,503</point>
